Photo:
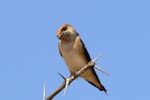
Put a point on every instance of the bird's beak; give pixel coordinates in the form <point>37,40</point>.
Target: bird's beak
<point>59,36</point>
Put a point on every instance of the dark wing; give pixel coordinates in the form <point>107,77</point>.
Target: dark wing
<point>94,80</point>
<point>59,44</point>
<point>84,51</point>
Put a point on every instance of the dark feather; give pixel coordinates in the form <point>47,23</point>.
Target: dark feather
<point>101,87</point>
<point>59,49</point>
<point>86,56</point>
<point>85,52</point>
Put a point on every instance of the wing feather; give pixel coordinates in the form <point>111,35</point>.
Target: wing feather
<point>83,50</point>
<point>84,53</point>
<point>59,46</point>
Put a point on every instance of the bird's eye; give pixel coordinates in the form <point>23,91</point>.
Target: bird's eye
<point>64,29</point>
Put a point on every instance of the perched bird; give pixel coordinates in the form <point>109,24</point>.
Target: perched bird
<point>75,55</point>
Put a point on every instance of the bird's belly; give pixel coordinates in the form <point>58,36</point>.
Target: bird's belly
<point>74,61</point>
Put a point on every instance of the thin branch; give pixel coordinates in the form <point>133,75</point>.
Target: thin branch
<point>94,60</point>
<point>62,76</point>
<point>70,79</point>
<point>95,66</point>
<point>44,92</point>
<point>73,77</point>
<point>56,91</point>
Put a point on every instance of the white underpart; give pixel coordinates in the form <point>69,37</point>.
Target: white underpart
<point>73,60</point>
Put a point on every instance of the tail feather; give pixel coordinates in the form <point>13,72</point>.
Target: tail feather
<point>100,87</point>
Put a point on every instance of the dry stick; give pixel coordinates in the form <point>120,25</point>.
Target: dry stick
<point>90,64</point>
<point>71,78</point>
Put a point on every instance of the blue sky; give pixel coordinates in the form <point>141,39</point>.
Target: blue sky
<point>29,53</point>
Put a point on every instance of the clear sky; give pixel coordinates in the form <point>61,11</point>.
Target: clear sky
<point>29,53</point>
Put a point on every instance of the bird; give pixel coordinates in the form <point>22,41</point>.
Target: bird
<point>75,54</point>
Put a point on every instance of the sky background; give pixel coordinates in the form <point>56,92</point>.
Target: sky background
<point>29,53</point>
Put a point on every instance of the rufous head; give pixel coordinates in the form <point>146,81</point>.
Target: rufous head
<point>66,33</point>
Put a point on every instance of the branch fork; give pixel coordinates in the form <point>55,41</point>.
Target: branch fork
<point>67,81</point>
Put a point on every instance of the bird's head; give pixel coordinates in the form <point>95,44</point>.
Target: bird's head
<point>66,33</point>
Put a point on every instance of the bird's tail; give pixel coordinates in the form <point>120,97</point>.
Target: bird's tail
<point>100,87</point>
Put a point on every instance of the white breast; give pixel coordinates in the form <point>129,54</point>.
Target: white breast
<point>73,60</point>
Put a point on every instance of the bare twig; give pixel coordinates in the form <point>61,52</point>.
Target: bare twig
<point>94,60</point>
<point>73,77</point>
<point>44,92</point>
<point>56,91</point>
<point>95,66</point>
